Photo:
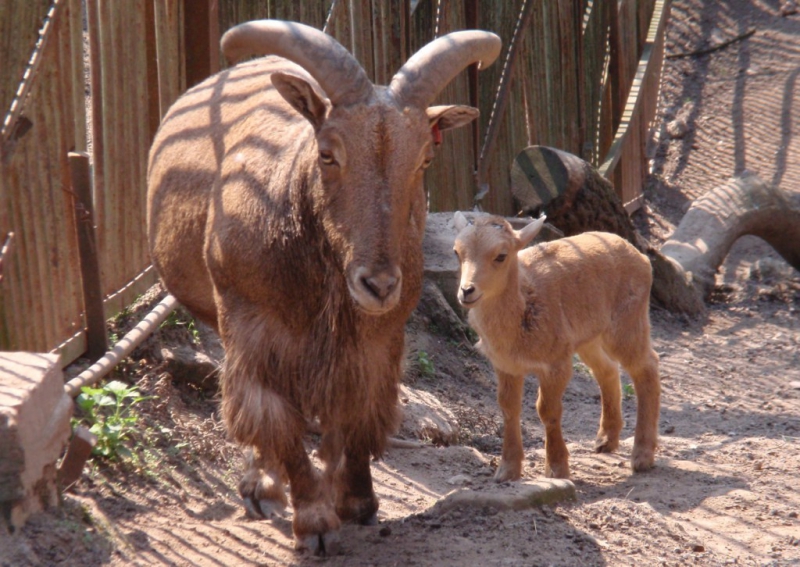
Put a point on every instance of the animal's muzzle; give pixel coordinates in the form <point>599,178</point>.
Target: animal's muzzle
<point>376,291</point>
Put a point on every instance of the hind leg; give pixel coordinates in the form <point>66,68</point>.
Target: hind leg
<point>633,350</point>
<point>552,385</point>
<point>644,374</point>
<point>606,372</point>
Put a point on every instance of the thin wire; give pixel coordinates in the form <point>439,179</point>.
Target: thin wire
<point>328,19</point>
<point>501,80</point>
<point>438,18</point>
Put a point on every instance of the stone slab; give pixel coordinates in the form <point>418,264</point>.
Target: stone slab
<point>34,428</point>
<point>509,496</point>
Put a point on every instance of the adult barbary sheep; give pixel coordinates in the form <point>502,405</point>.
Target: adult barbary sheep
<point>533,308</point>
<point>286,208</point>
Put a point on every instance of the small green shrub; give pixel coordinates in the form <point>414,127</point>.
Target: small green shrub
<point>177,319</point>
<point>425,364</point>
<point>628,391</point>
<point>109,413</point>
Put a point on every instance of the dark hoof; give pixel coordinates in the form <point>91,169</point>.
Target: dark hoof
<point>264,508</point>
<point>322,545</point>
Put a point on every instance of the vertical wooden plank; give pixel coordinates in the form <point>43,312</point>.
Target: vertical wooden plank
<point>74,58</point>
<point>96,339</point>
<point>168,32</point>
<point>201,37</point>
<point>153,97</point>
<point>116,130</point>
<point>98,142</point>
<point>137,106</point>
<point>65,287</point>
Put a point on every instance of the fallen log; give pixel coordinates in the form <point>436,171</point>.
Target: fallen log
<point>576,198</point>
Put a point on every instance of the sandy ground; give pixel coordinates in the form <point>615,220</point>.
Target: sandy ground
<point>724,491</point>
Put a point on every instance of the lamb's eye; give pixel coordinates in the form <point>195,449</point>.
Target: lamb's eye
<point>326,158</point>
<point>427,163</point>
<point>456,253</point>
<point>500,258</point>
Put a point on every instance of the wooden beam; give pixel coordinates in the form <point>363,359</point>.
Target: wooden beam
<point>96,338</point>
<point>201,32</point>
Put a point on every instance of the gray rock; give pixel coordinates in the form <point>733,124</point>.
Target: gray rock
<point>424,417</point>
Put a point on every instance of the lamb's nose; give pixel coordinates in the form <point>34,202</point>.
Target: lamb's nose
<point>467,291</point>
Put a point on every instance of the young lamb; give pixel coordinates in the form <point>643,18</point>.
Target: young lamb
<point>587,294</point>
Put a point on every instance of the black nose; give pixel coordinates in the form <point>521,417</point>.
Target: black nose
<point>467,291</point>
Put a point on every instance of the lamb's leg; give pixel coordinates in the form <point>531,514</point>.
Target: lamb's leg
<point>644,374</point>
<point>606,372</point>
<point>551,389</point>
<point>509,398</point>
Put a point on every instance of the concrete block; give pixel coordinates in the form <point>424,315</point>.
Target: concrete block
<point>34,428</point>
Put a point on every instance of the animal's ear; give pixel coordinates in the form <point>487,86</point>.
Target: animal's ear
<point>301,96</point>
<point>453,116</point>
<point>460,221</point>
<point>526,234</point>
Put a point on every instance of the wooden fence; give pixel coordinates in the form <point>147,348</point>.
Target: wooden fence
<point>579,75</point>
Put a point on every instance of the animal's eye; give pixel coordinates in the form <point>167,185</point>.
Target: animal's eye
<point>326,158</point>
<point>456,253</point>
<point>500,258</point>
<point>427,163</point>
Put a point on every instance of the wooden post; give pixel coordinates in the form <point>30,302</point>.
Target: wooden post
<point>96,338</point>
<point>471,18</point>
<point>201,32</point>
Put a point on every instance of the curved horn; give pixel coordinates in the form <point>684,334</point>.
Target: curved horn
<point>338,73</point>
<point>431,68</point>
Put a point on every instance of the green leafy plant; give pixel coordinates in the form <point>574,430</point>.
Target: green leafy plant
<point>628,391</point>
<point>425,364</point>
<point>109,413</point>
<point>176,319</point>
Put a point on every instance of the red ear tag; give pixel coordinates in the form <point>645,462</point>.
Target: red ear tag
<point>437,134</point>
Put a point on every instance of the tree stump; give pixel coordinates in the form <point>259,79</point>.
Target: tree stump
<point>576,198</point>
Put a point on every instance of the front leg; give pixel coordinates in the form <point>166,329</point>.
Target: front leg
<point>347,472</point>
<point>261,486</point>
<point>258,416</point>
<point>355,497</point>
<point>509,398</point>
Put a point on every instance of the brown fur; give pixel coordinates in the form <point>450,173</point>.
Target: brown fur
<point>308,269</point>
<point>587,294</point>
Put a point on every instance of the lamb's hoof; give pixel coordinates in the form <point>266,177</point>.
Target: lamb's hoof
<point>605,444</point>
<point>642,461</point>
<point>508,472</point>
<point>556,471</point>
<point>322,545</point>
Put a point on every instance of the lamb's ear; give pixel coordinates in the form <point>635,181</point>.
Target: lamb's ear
<point>526,234</point>
<point>460,221</point>
<point>301,96</point>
